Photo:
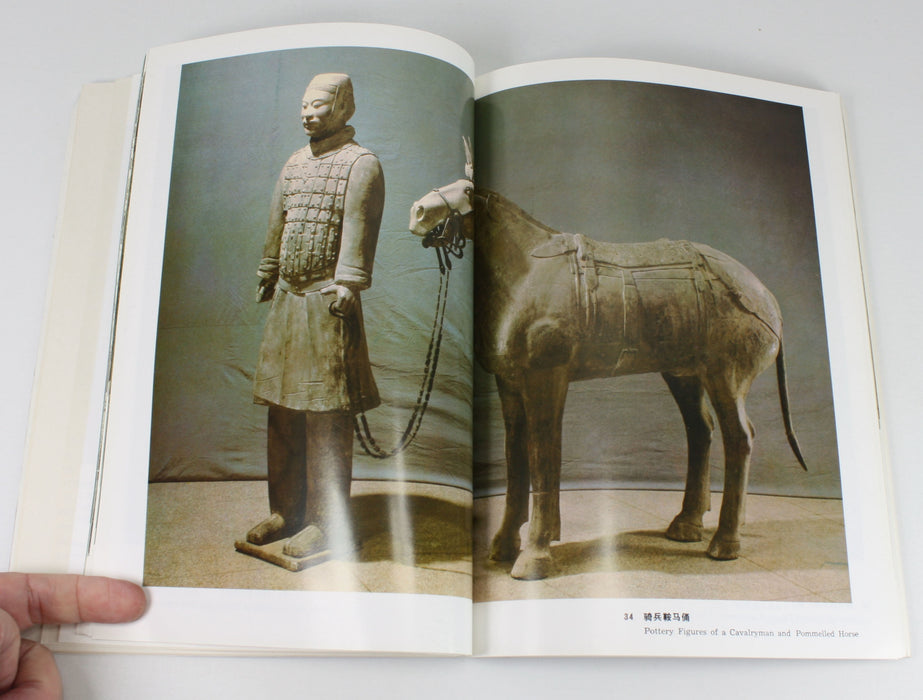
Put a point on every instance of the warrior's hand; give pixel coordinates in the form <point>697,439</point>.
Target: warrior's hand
<point>265,291</point>
<point>345,303</point>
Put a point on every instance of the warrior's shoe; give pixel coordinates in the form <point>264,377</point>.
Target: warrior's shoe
<point>272,529</point>
<point>311,540</point>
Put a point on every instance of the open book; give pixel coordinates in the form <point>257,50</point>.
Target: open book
<point>586,226</point>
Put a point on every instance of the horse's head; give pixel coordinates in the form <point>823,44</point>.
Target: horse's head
<point>443,203</point>
<point>446,208</point>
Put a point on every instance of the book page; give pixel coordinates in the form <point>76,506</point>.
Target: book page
<point>340,550</point>
<point>70,382</point>
<point>645,220</point>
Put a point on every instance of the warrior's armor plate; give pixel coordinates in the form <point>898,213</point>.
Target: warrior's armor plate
<point>313,196</point>
<point>315,239</point>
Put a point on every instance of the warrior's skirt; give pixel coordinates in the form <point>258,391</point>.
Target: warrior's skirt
<point>311,360</point>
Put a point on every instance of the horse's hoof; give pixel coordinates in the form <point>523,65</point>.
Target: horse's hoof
<point>724,550</point>
<point>532,567</point>
<point>504,548</point>
<point>684,531</point>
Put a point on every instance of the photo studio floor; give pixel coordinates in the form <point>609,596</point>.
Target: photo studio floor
<point>613,546</point>
<point>414,538</point>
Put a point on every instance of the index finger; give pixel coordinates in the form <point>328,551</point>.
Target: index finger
<point>33,599</point>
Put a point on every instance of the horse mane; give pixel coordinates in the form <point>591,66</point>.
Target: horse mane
<point>485,199</point>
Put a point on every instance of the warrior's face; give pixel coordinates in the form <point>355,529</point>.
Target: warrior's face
<point>319,114</point>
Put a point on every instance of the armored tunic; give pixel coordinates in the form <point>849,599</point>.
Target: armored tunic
<point>323,230</point>
<point>313,196</point>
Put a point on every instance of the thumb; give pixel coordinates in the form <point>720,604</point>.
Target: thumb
<point>26,668</point>
<point>10,640</point>
<point>38,677</point>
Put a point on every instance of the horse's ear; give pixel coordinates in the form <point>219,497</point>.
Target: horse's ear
<point>469,158</point>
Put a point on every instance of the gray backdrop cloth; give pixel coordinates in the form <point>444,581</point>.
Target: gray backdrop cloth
<point>238,120</point>
<point>622,161</point>
<point>614,161</point>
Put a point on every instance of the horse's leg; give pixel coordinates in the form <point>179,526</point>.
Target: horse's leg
<point>505,545</point>
<point>728,396</point>
<point>690,397</point>
<point>544,394</point>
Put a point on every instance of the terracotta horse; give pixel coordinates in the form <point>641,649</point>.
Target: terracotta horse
<point>552,308</point>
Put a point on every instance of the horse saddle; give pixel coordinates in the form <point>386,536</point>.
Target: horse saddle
<point>626,288</point>
<point>655,254</point>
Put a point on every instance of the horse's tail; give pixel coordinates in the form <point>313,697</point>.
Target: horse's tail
<point>786,413</point>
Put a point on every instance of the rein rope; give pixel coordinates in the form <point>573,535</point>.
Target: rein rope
<point>448,240</point>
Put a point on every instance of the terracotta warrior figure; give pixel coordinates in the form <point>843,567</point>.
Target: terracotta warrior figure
<point>313,370</point>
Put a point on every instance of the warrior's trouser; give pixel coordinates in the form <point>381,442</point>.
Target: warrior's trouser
<point>310,457</point>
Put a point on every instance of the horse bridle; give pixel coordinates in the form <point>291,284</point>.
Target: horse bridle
<point>447,236</point>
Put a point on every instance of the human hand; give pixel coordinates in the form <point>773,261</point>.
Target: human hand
<point>345,303</point>
<point>27,669</point>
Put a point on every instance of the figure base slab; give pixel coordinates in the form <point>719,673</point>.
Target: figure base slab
<point>273,553</point>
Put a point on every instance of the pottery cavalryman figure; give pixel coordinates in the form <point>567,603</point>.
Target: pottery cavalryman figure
<point>313,370</point>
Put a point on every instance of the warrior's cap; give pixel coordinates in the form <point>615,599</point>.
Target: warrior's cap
<point>340,86</point>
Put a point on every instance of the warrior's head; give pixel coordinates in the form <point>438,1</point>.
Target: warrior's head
<point>327,104</point>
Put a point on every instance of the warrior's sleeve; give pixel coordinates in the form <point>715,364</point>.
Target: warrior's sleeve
<point>362,210</point>
<point>269,265</point>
